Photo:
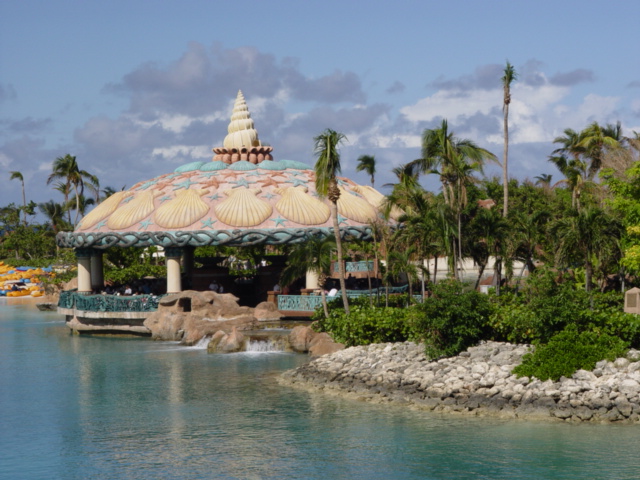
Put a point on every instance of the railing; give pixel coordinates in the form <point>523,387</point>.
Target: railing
<point>299,303</point>
<point>71,299</point>
<point>362,266</point>
<point>308,303</point>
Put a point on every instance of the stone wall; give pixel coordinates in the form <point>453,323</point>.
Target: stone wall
<point>477,382</point>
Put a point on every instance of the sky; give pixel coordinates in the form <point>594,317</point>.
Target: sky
<point>135,88</point>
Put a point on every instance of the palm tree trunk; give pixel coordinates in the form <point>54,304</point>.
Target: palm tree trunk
<point>480,273</point>
<point>505,161</point>
<point>24,204</point>
<point>324,303</point>
<point>336,232</point>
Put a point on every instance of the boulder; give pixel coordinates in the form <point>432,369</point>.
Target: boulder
<point>227,342</point>
<point>267,312</point>
<point>300,338</point>
<point>323,344</point>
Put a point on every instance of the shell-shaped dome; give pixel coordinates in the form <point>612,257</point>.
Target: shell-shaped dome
<point>377,199</point>
<point>355,208</point>
<point>241,130</point>
<point>243,208</point>
<point>132,212</point>
<point>103,210</point>
<point>297,206</point>
<point>183,210</point>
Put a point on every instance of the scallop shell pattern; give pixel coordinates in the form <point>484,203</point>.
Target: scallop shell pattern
<point>297,206</point>
<point>213,166</point>
<point>243,208</point>
<point>295,165</point>
<point>134,211</point>
<point>189,167</point>
<point>103,210</point>
<point>183,210</point>
<point>242,166</point>
<point>271,165</point>
<point>355,208</point>
<point>376,199</point>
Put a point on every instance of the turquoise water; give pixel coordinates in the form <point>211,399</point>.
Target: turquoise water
<point>111,408</point>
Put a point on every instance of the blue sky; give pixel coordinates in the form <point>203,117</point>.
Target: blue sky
<point>134,89</point>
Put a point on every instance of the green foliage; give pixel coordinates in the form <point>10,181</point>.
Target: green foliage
<point>365,324</point>
<point>134,272</point>
<point>569,351</point>
<point>451,320</point>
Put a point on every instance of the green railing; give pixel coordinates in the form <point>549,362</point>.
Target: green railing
<point>308,303</point>
<point>362,266</point>
<point>108,303</point>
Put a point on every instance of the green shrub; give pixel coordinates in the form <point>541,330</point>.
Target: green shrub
<point>365,324</point>
<point>451,320</point>
<point>569,351</point>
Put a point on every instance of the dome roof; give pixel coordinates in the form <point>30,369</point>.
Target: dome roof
<point>236,203</point>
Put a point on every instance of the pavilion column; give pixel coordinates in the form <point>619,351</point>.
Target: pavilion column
<point>172,257</point>
<point>97,270</point>
<point>311,280</point>
<point>83,255</point>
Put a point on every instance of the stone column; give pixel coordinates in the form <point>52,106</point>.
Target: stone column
<point>172,257</point>
<point>311,281</point>
<point>97,273</point>
<point>84,270</point>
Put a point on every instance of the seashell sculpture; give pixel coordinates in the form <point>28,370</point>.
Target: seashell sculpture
<point>299,207</point>
<point>355,208</point>
<point>134,211</point>
<point>183,210</point>
<point>241,129</point>
<point>243,208</point>
<point>377,199</point>
<point>103,210</point>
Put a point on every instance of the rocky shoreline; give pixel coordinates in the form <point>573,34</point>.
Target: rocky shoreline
<point>476,382</point>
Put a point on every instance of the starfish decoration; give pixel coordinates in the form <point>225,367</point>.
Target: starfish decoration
<point>145,224</point>
<point>275,173</point>
<point>315,194</point>
<point>172,176</point>
<point>231,174</point>
<point>213,197</point>
<point>268,181</point>
<point>186,184</point>
<point>148,184</point>
<point>355,194</point>
<point>255,173</point>
<point>208,223</point>
<point>278,221</point>
<point>241,183</point>
<point>165,198</point>
<point>342,219</point>
<point>212,182</point>
<point>101,224</point>
<point>208,174</point>
<point>297,182</point>
<point>128,199</point>
<point>191,173</point>
<point>268,195</point>
<point>341,182</point>
<point>296,173</point>
<point>164,184</point>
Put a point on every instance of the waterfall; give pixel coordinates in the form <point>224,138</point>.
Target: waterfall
<point>203,342</point>
<point>265,346</point>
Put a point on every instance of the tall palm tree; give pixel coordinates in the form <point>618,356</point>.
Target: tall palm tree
<point>314,256</point>
<point>66,169</point>
<point>55,215</point>
<point>576,174</point>
<point>596,139</point>
<point>18,175</point>
<point>454,160</point>
<point>509,76</point>
<point>584,236</point>
<point>367,163</point>
<point>327,168</point>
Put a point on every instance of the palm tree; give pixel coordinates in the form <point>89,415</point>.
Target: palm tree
<point>595,140</point>
<point>18,175</point>
<point>575,171</point>
<point>55,214</point>
<point>66,169</point>
<point>509,76</point>
<point>314,256</point>
<point>327,167</point>
<point>584,236</point>
<point>454,160</point>
<point>367,163</point>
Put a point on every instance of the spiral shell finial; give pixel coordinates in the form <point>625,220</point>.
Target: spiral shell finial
<point>242,133</point>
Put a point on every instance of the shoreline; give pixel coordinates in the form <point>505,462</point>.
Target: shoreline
<point>476,382</point>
